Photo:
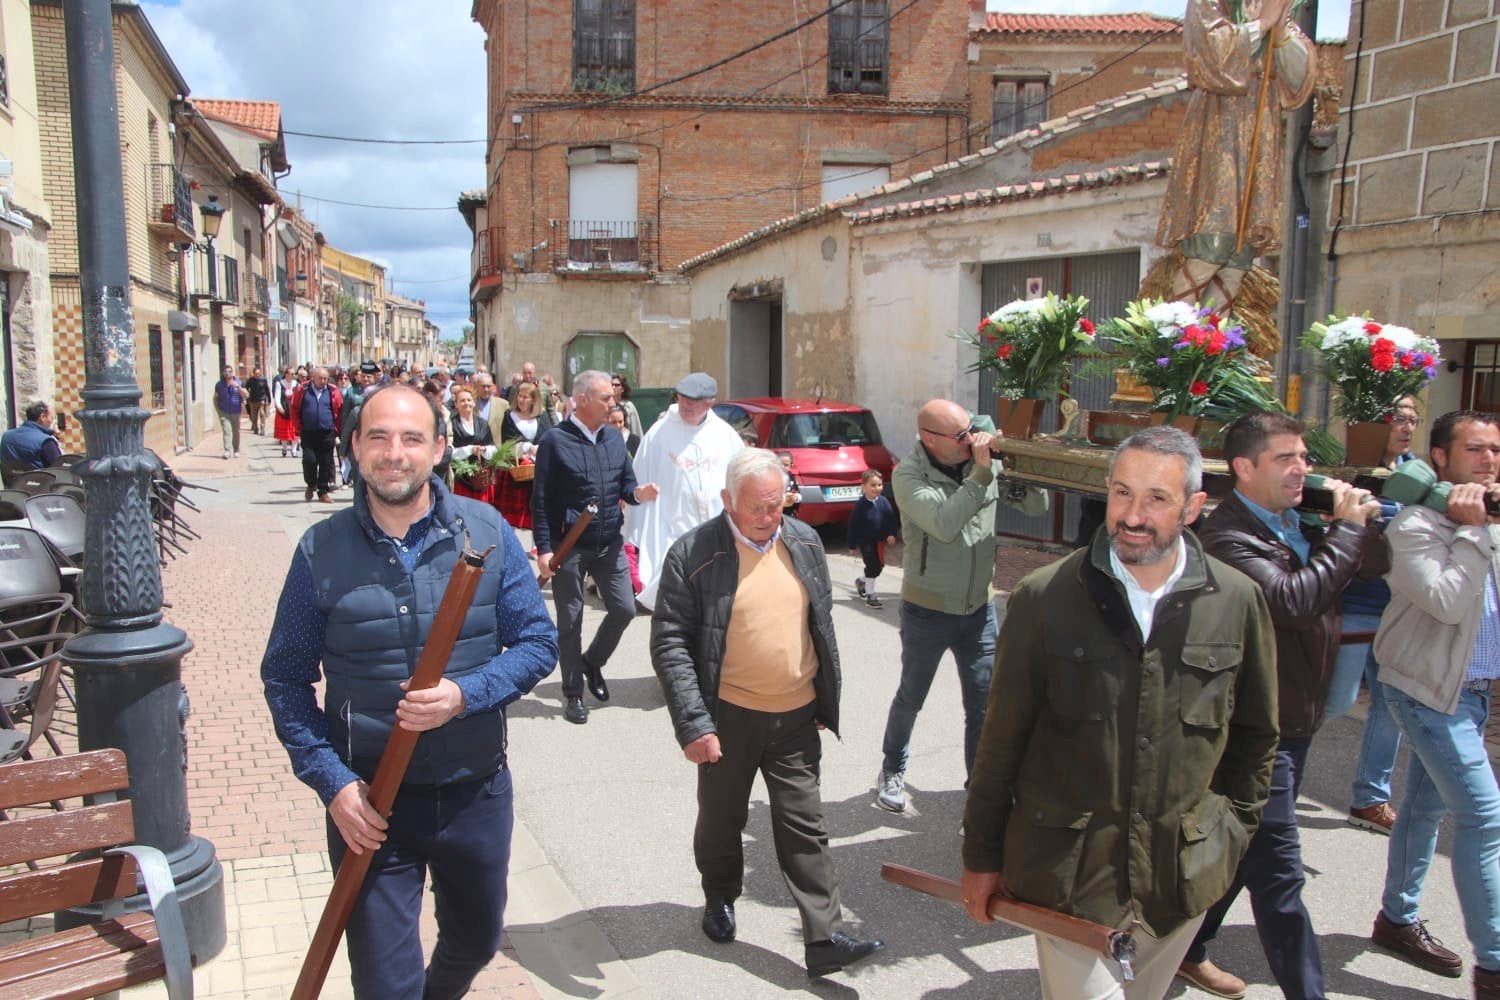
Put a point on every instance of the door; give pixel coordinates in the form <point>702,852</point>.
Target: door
<point>755,347</point>
<point>1108,281</point>
<point>611,353</point>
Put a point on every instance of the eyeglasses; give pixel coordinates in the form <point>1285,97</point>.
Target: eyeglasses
<point>1403,420</point>
<point>959,437</point>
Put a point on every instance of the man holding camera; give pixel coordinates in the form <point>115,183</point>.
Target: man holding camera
<point>1439,654</point>
<point>1302,571</point>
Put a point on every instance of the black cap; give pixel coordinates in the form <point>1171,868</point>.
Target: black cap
<point>369,368</point>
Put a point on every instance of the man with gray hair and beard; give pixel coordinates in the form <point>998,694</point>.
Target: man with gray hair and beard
<point>742,642</point>
<point>1127,750</point>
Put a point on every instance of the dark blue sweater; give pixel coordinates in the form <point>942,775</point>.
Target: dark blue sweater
<point>872,521</point>
<point>571,470</point>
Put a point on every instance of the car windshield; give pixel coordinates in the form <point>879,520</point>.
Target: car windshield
<point>824,430</point>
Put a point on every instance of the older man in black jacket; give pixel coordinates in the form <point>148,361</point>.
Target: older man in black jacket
<point>742,642</point>
<point>1303,572</point>
<point>580,463</point>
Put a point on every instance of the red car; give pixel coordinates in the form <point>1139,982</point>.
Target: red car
<point>831,445</point>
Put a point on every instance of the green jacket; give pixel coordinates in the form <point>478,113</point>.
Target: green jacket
<point>1119,780</point>
<point>948,529</point>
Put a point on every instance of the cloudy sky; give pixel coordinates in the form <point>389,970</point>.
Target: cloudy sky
<point>400,69</point>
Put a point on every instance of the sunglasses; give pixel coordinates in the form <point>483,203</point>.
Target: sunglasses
<point>960,437</point>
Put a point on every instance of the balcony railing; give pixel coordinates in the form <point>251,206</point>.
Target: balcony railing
<point>257,294</point>
<point>219,284</point>
<point>580,244</point>
<point>169,197</point>
<point>489,245</point>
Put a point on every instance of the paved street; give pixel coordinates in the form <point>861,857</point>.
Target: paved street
<point>605,899</point>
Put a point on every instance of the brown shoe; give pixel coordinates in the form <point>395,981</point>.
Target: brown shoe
<point>1486,984</point>
<point>307,494</point>
<point>1209,978</point>
<point>1413,943</point>
<point>1378,818</point>
<point>324,498</point>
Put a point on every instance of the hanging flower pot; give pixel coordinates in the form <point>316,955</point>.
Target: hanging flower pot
<point>1365,442</point>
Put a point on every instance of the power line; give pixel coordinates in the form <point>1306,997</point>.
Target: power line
<point>384,208</point>
<point>386,142</point>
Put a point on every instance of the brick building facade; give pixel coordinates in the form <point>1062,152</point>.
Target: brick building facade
<point>604,170</point>
<point>1025,69</point>
<point>148,87</point>
<point>1415,218</point>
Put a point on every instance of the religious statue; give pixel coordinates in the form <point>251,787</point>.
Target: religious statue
<point>1246,63</point>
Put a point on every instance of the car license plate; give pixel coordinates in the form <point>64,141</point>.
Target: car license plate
<point>833,493</point>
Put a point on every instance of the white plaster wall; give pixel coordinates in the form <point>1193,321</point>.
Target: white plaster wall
<point>915,280</point>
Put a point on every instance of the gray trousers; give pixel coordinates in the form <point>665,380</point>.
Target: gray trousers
<point>785,749</point>
<point>612,575</point>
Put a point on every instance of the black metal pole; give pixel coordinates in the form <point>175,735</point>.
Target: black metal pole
<point>127,662</point>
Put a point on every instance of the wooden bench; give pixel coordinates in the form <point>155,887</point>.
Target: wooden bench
<point>122,949</point>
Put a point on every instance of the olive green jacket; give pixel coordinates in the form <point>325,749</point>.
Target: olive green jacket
<point>1119,780</point>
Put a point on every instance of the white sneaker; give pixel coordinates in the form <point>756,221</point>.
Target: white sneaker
<point>891,791</point>
<point>226,456</point>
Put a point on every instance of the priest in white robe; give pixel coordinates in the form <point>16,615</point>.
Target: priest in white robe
<point>685,453</point>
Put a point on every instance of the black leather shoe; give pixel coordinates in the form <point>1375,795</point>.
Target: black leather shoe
<point>718,921</point>
<point>838,952</point>
<point>595,677</point>
<point>576,711</point>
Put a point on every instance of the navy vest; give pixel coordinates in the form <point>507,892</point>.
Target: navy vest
<point>24,444</point>
<point>378,618</point>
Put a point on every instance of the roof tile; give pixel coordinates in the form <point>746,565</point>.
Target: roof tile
<point>1079,24</point>
<point>261,117</point>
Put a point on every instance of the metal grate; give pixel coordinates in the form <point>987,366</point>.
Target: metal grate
<point>859,48</point>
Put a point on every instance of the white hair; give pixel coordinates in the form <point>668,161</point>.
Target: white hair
<point>584,382</point>
<point>751,463</point>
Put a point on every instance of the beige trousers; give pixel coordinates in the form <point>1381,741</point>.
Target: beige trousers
<point>1073,972</point>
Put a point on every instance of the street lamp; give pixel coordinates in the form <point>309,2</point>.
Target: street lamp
<point>213,217</point>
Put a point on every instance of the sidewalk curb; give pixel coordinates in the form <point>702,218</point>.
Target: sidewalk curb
<point>555,938</point>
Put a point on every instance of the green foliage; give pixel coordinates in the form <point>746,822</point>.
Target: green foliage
<point>1030,344</point>
<point>349,317</point>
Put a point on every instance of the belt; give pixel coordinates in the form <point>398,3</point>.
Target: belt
<point>1482,685</point>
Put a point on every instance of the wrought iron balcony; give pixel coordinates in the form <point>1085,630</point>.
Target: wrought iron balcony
<point>219,283</point>
<point>169,197</point>
<point>489,245</point>
<point>257,295</point>
<point>581,244</point>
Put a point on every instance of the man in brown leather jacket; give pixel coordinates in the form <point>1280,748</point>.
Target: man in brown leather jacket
<point>1303,572</point>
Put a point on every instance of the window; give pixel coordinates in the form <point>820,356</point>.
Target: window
<point>158,373</point>
<point>1016,105</point>
<point>859,48</point>
<point>604,46</point>
<point>602,211</point>
<point>840,179</point>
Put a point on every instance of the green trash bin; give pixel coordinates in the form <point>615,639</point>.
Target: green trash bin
<point>651,403</point>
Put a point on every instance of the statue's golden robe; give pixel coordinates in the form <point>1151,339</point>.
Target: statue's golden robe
<point>1211,164</point>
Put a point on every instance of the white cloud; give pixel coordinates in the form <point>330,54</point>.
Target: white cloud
<point>364,68</point>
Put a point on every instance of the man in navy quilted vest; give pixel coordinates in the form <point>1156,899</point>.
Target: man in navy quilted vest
<point>359,600</point>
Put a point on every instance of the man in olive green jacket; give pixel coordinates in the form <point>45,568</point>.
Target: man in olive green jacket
<point>946,491</point>
<point>1131,731</point>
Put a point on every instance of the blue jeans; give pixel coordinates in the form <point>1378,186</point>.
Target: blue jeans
<point>462,834</point>
<point>925,636</point>
<point>1382,737</point>
<point>1449,772</point>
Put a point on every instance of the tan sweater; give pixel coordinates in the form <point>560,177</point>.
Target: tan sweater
<point>769,660</point>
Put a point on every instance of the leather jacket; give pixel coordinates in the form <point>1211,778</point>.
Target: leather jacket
<point>1304,599</point>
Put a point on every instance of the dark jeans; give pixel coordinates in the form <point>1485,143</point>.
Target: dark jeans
<point>317,460</point>
<point>461,833</point>
<point>1272,871</point>
<point>925,636</point>
<point>785,749</point>
<point>611,574</point>
<point>870,553</point>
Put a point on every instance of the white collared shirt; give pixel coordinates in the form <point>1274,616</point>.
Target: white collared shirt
<point>740,536</point>
<point>1142,601</point>
<point>593,436</point>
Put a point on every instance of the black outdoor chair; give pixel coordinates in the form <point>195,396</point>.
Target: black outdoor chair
<point>59,520</point>
<point>11,470</point>
<point>69,460</point>
<point>34,606</point>
<point>64,477</point>
<point>34,481</point>
<point>13,511</point>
